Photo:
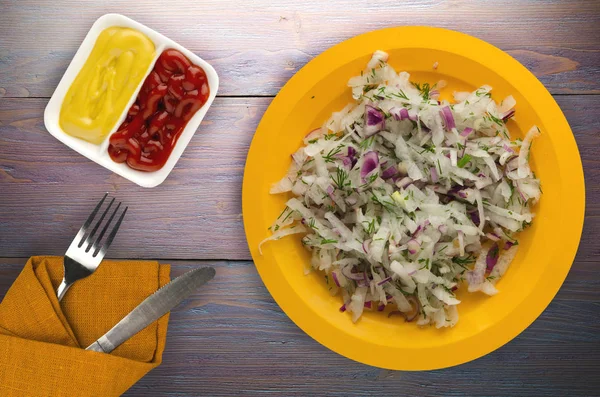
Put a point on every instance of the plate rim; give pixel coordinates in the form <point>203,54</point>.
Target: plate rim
<point>523,315</point>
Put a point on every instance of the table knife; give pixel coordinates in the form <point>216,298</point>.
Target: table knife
<point>153,308</point>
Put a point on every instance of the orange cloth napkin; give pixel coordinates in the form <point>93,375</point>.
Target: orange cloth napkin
<point>42,341</point>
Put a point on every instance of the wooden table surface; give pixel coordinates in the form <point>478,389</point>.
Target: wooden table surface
<point>231,337</point>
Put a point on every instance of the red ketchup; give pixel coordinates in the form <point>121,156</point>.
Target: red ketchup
<point>169,97</point>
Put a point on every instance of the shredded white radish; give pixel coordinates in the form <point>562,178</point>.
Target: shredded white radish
<point>401,198</point>
<point>524,170</point>
<point>282,233</point>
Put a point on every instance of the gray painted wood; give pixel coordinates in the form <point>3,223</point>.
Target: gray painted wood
<point>231,338</point>
<point>45,201</point>
<point>195,213</point>
<point>256,46</point>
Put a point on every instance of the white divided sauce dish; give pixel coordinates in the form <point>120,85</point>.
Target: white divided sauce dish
<point>99,153</point>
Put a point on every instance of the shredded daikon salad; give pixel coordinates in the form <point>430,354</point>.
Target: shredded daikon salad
<point>401,197</point>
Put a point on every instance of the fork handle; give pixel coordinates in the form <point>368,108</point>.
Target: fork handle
<point>62,289</point>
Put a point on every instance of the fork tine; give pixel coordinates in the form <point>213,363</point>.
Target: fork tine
<point>104,229</point>
<point>90,236</point>
<point>111,236</point>
<point>90,219</point>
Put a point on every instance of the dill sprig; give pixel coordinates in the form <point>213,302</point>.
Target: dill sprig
<point>341,178</point>
<point>464,261</point>
<point>424,89</point>
<point>329,157</point>
<point>367,143</point>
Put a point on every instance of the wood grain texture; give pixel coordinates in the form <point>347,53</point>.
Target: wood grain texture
<point>196,213</point>
<point>256,46</point>
<point>224,344</point>
<point>197,209</point>
<point>231,338</point>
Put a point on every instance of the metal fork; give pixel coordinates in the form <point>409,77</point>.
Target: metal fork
<point>86,252</point>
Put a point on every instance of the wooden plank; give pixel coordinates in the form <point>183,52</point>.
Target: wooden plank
<point>198,208</point>
<point>257,46</point>
<point>231,338</point>
<point>47,189</point>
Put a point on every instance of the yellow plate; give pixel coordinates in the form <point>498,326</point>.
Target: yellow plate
<point>547,248</point>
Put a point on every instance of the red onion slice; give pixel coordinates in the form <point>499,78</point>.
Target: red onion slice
<point>335,279</point>
<point>374,120</point>
<point>330,192</point>
<point>466,131</point>
<point>347,272</point>
<point>417,232</point>
<point>316,133</point>
<point>446,114</point>
<point>400,113</point>
<point>508,148</point>
<point>350,159</point>
<point>507,115</point>
<point>365,246</point>
<point>413,246</point>
<point>492,257</point>
<point>370,163</point>
<point>389,172</point>
<point>474,215</point>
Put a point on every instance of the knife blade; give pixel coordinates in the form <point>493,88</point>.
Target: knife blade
<point>153,308</point>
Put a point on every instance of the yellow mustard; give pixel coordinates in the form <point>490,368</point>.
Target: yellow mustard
<point>98,95</point>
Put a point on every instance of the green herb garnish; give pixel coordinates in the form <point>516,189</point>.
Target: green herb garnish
<point>341,179</point>
<point>329,157</point>
<point>464,161</point>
